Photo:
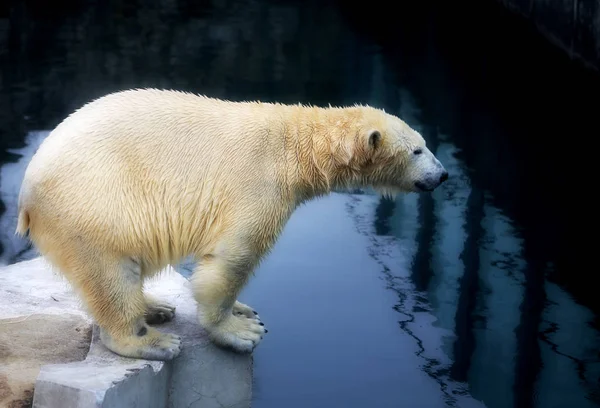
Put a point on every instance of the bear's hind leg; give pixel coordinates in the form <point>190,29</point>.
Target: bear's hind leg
<point>217,283</point>
<point>113,293</point>
<point>158,311</point>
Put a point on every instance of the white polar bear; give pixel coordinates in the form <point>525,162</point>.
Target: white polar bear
<point>140,179</point>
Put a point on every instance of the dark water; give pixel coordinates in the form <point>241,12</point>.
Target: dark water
<point>494,271</point>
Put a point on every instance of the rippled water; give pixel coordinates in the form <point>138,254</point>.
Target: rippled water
<point>479,294</point>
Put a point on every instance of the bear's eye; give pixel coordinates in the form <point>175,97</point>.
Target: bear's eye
<point>418,151</point>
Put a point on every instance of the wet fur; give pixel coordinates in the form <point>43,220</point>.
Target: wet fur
<point>140,179</point>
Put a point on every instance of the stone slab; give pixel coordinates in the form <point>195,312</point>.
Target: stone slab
<point>40,324</point>
<point>202,376</point>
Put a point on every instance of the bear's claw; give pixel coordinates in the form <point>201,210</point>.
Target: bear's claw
<point>168,347</point>
<point>158,315</point>
<point>157,311</point>
<point>148,344</point>
<point>241,309</point>
<point>238,333</point>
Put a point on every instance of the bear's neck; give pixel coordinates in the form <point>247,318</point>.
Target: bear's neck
<point>312,135</point>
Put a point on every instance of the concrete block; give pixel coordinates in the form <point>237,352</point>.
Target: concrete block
<point>40,324</point>
<point>103,380</point>
<point>202,376</point>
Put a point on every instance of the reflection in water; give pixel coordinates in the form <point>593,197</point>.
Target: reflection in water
<point>568,345</point>
<point>470,263</point>
<point>474,284</point>
<point>500,295</point>
<point>469,287</point>
<point>479,295</point>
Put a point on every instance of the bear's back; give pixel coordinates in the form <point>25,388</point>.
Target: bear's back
<point>148,157</point>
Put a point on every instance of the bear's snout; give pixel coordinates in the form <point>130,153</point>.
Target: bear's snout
<point>433,180</point>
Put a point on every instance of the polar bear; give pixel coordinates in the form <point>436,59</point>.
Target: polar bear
<point>140,179</point>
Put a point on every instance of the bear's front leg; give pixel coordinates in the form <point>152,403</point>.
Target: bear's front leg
<point>217,281</point>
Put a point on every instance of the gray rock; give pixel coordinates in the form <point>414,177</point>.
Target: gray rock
<point>40,324</point>
<point>202,376</point>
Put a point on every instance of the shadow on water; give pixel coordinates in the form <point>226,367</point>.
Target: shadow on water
<point>495,257</point>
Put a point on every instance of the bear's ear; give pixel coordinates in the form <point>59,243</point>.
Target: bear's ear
<point>374,139</point>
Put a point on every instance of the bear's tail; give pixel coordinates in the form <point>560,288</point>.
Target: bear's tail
<point>22,223</point>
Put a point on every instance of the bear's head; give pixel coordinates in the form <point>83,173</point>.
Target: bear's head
<point>383,152</point>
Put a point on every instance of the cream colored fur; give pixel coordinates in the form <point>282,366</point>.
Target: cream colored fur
<point>140,179</point>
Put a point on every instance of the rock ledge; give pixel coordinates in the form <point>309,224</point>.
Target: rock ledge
<point>47,359</point>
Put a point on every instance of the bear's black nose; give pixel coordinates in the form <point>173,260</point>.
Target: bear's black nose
<point>444,177</point>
